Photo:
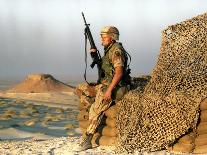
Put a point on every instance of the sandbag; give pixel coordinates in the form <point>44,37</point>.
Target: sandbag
<point>203,116</point>
<point>200,149</point>
<point>83,124</point>
<point>202,128</point>
<point>83,115</point>
<point>108,141</point>
<point>187,139</point>
<point>78,92</point>
<point>184,148</point>
<point>110,132</point>
<point>203,105</point>
<point>83,105</point>
<point>201,140</point>
<point>111,112</point>
<point>85,89</point>
<point>85,102</point>
<point>111,122</point>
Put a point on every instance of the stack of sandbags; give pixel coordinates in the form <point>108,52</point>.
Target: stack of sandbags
<point>195,142</point>
<point>87,95</point>
<point>109,131</point>
<point>185,144</point>
<point>201,139</point>
<point>83,116</point>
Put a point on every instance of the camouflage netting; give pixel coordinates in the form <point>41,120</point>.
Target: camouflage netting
<point>152,119</point>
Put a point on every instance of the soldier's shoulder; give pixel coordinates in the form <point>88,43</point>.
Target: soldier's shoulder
<point>117,52</point>
<point>117,47</point>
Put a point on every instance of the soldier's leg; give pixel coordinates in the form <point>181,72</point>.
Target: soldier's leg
<point>97,109</point>
<point>100,105</point>
<point>95,116</point>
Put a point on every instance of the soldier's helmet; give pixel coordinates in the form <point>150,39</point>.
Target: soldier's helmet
<point>112,31</point>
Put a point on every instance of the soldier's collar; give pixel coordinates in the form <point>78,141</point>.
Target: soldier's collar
<point>107,48</point>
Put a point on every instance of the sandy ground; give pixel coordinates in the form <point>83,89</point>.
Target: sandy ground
<point>57,146</point>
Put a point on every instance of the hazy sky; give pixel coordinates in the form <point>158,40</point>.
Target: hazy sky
<point>46,36</point>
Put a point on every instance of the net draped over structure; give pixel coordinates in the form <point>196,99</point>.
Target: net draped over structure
<point>152,118</point>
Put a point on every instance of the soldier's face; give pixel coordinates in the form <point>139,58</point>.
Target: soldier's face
<point>106,39</point>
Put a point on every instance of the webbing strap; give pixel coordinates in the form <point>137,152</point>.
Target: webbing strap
<point>86,65</point>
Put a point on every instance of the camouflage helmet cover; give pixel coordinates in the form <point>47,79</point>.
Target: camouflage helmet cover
<point>112,31</point>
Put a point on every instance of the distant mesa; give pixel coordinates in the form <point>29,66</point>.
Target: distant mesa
<point>40,83</point>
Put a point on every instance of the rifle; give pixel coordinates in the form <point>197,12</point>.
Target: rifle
<point>96,57</point>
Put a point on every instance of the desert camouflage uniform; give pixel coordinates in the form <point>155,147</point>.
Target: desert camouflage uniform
<point>114,56</point>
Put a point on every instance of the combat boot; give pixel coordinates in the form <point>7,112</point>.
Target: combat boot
<point>85,143</point>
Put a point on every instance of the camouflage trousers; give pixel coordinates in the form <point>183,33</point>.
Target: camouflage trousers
<point>97,108</point>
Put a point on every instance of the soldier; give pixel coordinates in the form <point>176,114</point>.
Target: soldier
<point>114,82</point>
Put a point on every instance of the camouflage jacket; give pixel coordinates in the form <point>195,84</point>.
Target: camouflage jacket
<point>114,56</point>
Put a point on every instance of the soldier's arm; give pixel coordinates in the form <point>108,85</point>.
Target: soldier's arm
<point>118,62</point>
<point>117,77</point>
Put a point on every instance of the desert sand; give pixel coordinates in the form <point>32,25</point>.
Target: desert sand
<point>58,146</point>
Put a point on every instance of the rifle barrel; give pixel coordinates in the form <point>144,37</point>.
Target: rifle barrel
<point>84,18</point>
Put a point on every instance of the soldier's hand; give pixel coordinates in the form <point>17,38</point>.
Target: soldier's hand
<point>107,96</point>
<point>93,50</point>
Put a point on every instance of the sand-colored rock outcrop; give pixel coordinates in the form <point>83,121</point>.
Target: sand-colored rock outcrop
<point>40,83</point>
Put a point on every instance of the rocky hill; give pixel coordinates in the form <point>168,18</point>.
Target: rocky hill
<point>40,83</point>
